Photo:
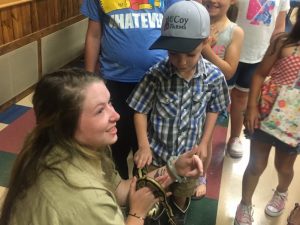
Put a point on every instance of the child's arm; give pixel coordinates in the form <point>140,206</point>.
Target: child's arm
<point>252,114</point>
<point>92,45</point>
<point>230,62</point>
<point>143,156</point>
<point>209,126</point>
<point>280,24</point>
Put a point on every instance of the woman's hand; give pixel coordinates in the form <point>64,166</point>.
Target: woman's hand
<point>189,165</point>
<point>141,200</point>
<point>143,157</point>
<point>251,119</point>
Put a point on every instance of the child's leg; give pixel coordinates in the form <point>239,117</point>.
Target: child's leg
<point>201,188</point>
<point>259,154</point>
<point>284,164</point>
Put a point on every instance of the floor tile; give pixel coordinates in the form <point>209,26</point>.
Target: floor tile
<point>12,136</point>
<point>27,101</point>
<point>12,113</point>
<point>2,194</point>
<point>6,163</point>
<point>214,172</point>
<point>2,126</point>
<point>202,212</point>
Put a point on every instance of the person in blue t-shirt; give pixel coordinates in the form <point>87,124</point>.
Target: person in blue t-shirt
<point>117,41</point>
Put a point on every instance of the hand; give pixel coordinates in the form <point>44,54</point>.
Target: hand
<point>142,157</point>
<point>251,119</point>
<point>212,40</point>
<point>189,165</point>
<point>141,200</point>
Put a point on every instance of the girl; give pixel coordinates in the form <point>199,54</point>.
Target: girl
<point>224,51</point>
<point>64,173</point>
<point>281,61</point>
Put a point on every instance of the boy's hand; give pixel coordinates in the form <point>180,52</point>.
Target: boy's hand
<point>189,165</point>
<point>142,157</point>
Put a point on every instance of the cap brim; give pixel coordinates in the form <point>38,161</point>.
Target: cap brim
<point>176,44</point>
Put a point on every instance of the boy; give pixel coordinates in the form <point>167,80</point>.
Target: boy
<point>114,27</point>
<point>180,95</point>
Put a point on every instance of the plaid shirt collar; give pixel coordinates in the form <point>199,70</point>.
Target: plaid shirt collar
<point>201,70</point>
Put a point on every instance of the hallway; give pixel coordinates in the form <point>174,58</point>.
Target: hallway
<point>224,176</point>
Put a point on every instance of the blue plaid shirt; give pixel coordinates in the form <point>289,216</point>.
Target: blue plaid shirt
<point>178,107</point>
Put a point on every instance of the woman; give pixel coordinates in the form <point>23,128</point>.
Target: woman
<point>64,173</point>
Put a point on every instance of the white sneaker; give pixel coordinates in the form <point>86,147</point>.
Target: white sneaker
<point>235,147</point>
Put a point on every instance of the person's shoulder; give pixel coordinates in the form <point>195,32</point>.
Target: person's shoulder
<point>237,31</point>
<point>211,69</point>
<point>213,74</point>
<point>162,69</point>
<point>236,27</point>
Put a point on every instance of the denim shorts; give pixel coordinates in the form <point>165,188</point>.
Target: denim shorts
<point>264,137</point>
<point>241,80</point>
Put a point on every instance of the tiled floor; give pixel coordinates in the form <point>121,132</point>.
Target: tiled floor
<point>224,176</point>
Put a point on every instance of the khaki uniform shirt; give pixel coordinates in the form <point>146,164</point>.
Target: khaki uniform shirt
<point>51,201</point>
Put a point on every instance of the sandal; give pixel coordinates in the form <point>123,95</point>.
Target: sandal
<point>202,181</point>
<point>294,217</point>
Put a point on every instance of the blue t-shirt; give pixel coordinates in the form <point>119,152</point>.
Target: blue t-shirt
<point>129,29</point>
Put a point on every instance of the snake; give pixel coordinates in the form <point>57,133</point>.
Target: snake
<point>159,192</point>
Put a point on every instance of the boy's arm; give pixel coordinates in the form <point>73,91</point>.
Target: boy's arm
<point>229,64</point>
<point>92,46</point>
<point>143,156</point>
<point>209,126</point>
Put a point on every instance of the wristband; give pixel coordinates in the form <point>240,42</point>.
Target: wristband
<point>136,216</point>
<point>172,170</point>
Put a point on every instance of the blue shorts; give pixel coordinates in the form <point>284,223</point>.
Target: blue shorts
<point>241,80</point>
<point>264,137</point>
